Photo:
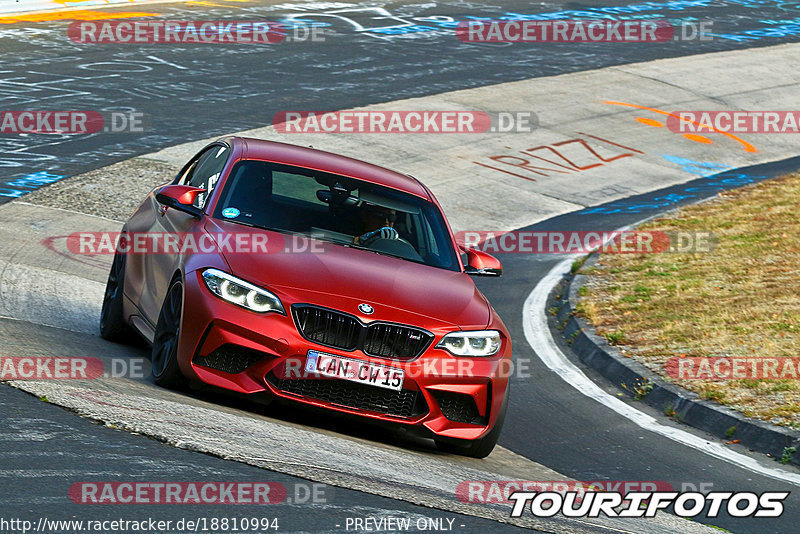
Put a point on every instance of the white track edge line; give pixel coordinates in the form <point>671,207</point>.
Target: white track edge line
<point>538,336</point>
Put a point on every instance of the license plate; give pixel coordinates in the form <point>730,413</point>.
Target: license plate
<point>355,370</point>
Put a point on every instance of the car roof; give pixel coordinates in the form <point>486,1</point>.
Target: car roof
<point>313,158</point>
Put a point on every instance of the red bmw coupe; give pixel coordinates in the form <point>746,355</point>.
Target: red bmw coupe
<point>294,273</point>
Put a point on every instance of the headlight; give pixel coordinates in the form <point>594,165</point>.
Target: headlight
<point>478,343</point>
<point>241,293</point>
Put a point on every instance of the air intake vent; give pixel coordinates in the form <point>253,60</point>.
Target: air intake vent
<point>230,359</point>
<point>404,403</point>
<point>458,407</point>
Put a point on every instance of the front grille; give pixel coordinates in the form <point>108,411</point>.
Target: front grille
<point>328,327</point>
<point>395,341</point>
<point>342,331</point>
<point>229,359</point>
<point>458,407</point>
<point>403,403</point>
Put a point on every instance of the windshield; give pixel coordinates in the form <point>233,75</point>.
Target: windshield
<point>338,209</point>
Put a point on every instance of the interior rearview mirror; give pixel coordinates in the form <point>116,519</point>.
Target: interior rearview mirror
<point>323,195</point>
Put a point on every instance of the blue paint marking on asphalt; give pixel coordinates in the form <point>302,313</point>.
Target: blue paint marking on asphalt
<point>699,168</point>
<point>28,182</point>
<point>710,182</point>
<point>695,190</point>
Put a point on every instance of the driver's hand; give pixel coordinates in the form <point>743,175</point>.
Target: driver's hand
<point>387,232</point>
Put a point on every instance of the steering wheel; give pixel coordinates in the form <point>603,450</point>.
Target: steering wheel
<point>398,247</point>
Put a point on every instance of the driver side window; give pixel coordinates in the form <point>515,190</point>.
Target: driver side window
<point>205,171</point>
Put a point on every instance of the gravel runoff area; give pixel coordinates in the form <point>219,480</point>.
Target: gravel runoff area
<point>112,192</point>
<point>739,301</point>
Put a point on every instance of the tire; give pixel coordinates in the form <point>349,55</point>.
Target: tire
<point>476,448</point>
<point>164,358</point>
<point>112,320</point>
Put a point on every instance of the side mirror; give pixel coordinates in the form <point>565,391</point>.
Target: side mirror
<point>480,263</point>
<point>181,198</point>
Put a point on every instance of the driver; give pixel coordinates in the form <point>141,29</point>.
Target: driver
<point>377,222</point>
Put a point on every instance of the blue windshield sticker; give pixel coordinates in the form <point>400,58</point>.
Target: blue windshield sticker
<point>230,213</point>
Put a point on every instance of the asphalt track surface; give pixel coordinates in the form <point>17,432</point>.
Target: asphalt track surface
<point>36,476</point>
<point>550,423</point>
<point>196,91</point>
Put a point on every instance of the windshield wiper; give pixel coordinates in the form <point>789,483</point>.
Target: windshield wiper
<point>383,253</point>
<point>260,227</point>
<point>251,225</point>
<point>327,239</point>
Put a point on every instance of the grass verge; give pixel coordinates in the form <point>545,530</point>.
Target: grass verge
<point>740,300</point>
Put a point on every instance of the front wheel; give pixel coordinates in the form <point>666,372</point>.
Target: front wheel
<point>164,360</point>
<point>475,448</point>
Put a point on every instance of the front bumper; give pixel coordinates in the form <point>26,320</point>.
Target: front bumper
<point>229,347</point>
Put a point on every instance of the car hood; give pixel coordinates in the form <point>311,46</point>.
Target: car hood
<point>338,277</point>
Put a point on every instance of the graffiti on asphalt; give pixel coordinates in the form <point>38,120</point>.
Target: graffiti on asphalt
<point>563,157</point>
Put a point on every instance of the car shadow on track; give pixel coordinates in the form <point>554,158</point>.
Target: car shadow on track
<point>312,417</point>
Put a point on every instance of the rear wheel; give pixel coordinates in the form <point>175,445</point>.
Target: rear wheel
<point>164,360</point>
<point>112,319</point>
<point>475,448</point>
